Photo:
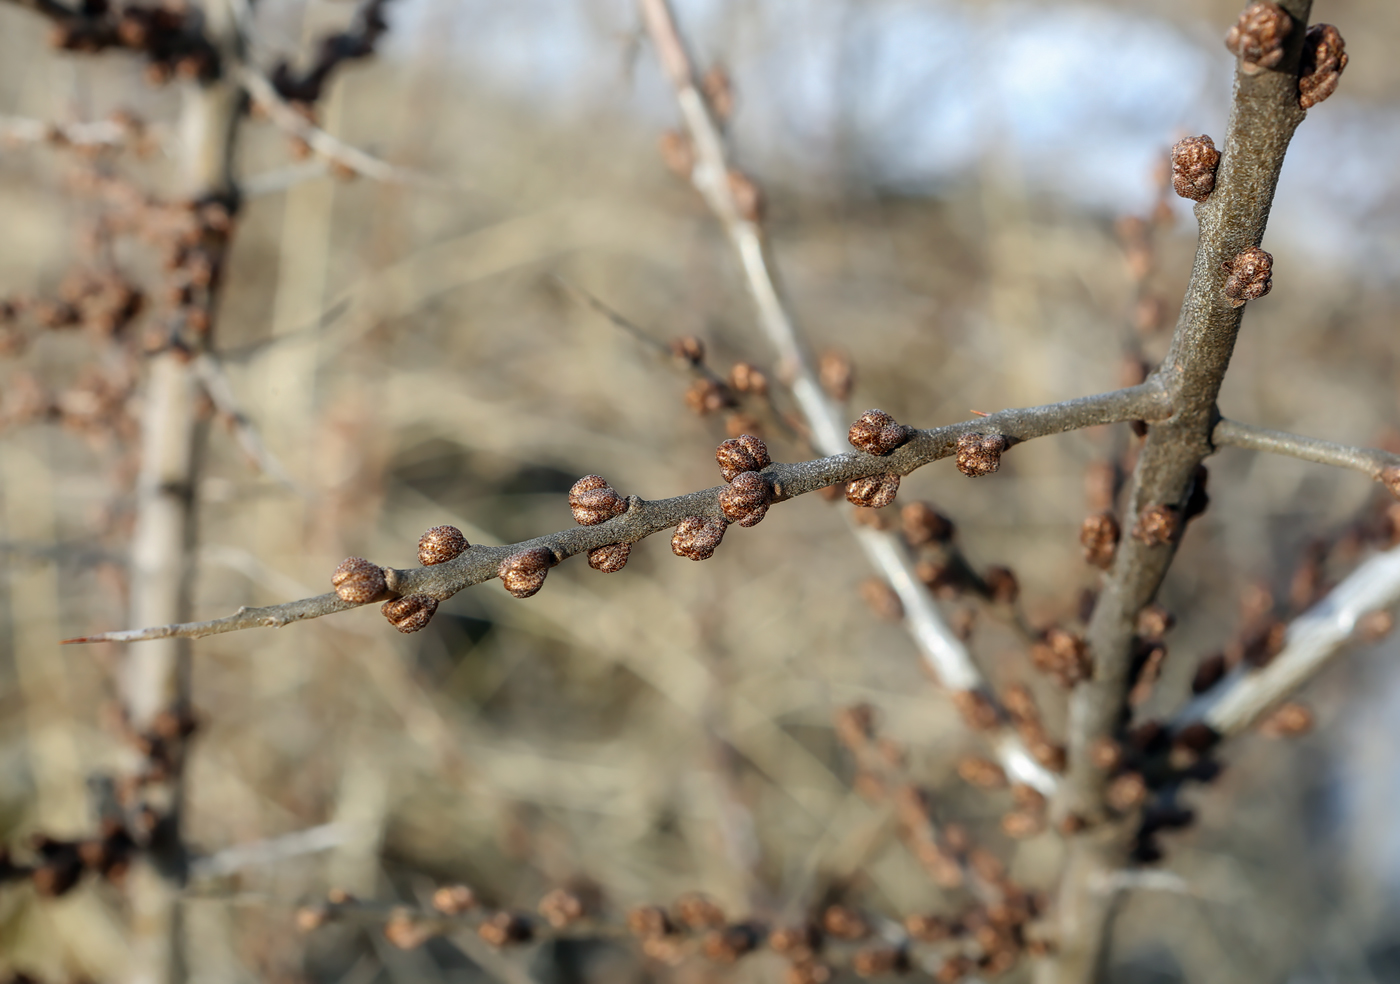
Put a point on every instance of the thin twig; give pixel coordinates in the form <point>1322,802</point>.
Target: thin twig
<point>481,563</point>
<point>1379,465</point>
<point>210,373</point>
<point>1240,700</point>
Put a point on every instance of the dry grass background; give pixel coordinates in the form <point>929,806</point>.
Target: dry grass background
<point>668,728</point>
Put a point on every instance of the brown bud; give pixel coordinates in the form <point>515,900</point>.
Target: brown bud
<point>874,491</point>
<point>980,454</point>
<point>677,153</point>
<point>1048,754</point>
<point>1257,37</point>
<point>310,917</point>
<point>1154,621</point>
<point>358,581</point>
<point>882,598</point>
<point>440,544</point>
<point>609,559</point>
<point>1208,673</point>
<point>1126,792</point>
<point>745,499</point>
<point>593,501</point>
<point>411,613</point>
<point>1374,626</point>
<point>1099,537</point>
<point>877,961</point>
<point>648,921</point>
<point>924,524</point>
<point>836,373</point>
<point>1021,824</point>
<point>1063,655</point>
<point>745,378</point>
<point>523,573</point>
<point>976,709</point>
<point>707,396</point>
<point>1289,721</point>
<point>689,349</point>
<point>1002,586</point>
<point>1105,753</point>
<point>405,932</point>
<point>876,432</point>
<point>844,923</point>
<point>807,972</point>
<point>1194,160</point>
<point>505,928</point>
<point>729,943</point>
<point>744,453</point>
<point>1019,703</point>
<point>1250,276</point>
<point>796,942</point>
<point>697,538</point>
<point>453,900</point>
<point>719,93</point>
<point>1158,525</point>
<point>560,908</point>
<point>954,969</point>
<point>982,773</point>
<point>699,911</point>
<point>927,928</point>
<point>1324,59</point>
<point>747,196</point>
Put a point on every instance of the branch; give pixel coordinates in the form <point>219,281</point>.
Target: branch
<point>481,563</point>
<point>1380,465</point>
<point>1245,696</point>
<point>210,373</point>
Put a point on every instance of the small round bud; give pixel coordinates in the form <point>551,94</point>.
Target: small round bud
<point>1250,276</point>
<point>924,524</point>
<point>982,773</point>
<point>1154,621</point>
<point>697,537</point>
<point>747,196</point>
<point>976,709</point>
<point>927,929</point>
<point>876,432</point>
<point>677,153</point>
<point>1105,753</point>
<point>745,500</point>
<point>1257,37</point>
<point>453,900</point>
<point>689,349</point>
<point>609,559</point>
<point>440,544</point>
<point>1099,537</point>
<point>836,373</point>
<point>593,501</point>
<point>729,943</point>
<point>411,613</point>
<point>649,921</point>
<point>1063,655</point>
<point>874,491</point>
<point>980,454</point>
<point>745,378</point>
<point>1194,160</point>
<point>878,961</point>
<point>1022,824</point>
<point>505,928</point>
<point>1126,792</point>
<point>807,972</point>
<point>358,581</point>
<point>744,453</point>
<point>405,932</point>
<point>844,923</point>
<point>560,908</point>
<point>1324,59</point>
<point>523,573</point>
<point>707,396</point>
<point>699,911</point>
<point>1289,721</point>
<point>1158,525</point>
<point>795,942</point>
<point>1002,586</point>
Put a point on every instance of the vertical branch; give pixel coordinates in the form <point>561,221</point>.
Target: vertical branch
<point>155,680</point>
<point>941,649</point>
<point>1264,113</point>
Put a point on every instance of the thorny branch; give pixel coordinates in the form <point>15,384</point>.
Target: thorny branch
<point>482,563</point>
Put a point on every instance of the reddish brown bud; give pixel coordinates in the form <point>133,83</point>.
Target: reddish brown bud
<point>980,454</point>
<point>874,491</point>
<point>677,153</point>
<point>807,972</point>
<point>405,932</point>
<point>1047,753</point>
<point>877,961</point>
<point>1324,59</point>
<point>609,559</point>
<point>1289,721</point>
<point>927,929</point>
<point>976,709</point>
<point>729,943</point>
<point>836,373</point>
<point>707,396</point>
<point>699,911</point>
<point>1021,824</point>
<point>924,524</point>
<point>745,500</point>
<point>411,613</point>
<point>1154,621</point>
<point>744,453</point>
<point>453,900</point>
<point>697,538</point>
<point>1257,37</point>
<point>358,581</point>
<point>1126,792</point>
<point>689,349</point>
<point>440,544</point>
<point>1194,160</point>
<point>796,942</point>
<point>1250,276</point>
<point>593,501</point>
<point>648,921</point>
<point>560,908</point>
<point>745,378</point>
<point>882,599</point>
<point>747,196</point>
<point>1374,626</point>
<point>844,923</point>
<point>876,432</point>
<point>1019,703</point>
<point>1002,586</point>
<point>1105,753</point>
<point>505,928</point>
<point>982,773</point>
<point>1063,655</point>
<point>523,573</point>
<point>1158,525</point>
